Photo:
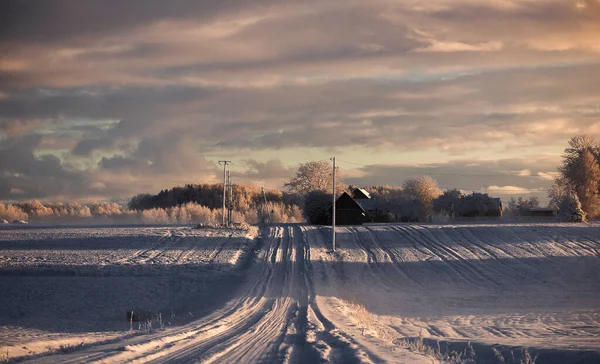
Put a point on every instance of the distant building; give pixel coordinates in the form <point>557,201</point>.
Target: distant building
<point>348,211</point>
<point>540,212</point>
<point>364,199</point>
<point>496,209</point>
<point>361,194</point>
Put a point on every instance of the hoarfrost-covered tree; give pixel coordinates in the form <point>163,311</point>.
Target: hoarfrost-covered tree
<point>424,190</point>
<point>447,203</point>
<point>477,204</point>
<point>561,187</point>
<point>570,209</point>
<point>588,175</point>
<point>512,209</point>
<point>521,205</point>
<point>314,176</point>
<point>577,145</point>
<point>580,174</point>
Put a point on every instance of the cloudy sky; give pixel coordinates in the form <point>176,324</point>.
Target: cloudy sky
<point>106,99</point>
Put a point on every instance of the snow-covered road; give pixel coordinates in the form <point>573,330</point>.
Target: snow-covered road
<point>274,319</point>
<point>390,293</point>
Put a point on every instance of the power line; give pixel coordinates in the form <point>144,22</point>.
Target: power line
<point>523,190</point>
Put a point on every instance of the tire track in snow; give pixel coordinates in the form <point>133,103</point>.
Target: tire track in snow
<point>384,264</point>
<point>274,319</point>
<point>391,257</point>
<point>460,253</point>
<point>436,249</point>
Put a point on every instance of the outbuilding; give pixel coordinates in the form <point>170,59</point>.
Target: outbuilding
<point>540,212</point>
<point>348,211</point>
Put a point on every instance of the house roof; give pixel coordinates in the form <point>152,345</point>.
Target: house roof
<point>361,193</point>
<point>347,196</point>
<point>366,204</point>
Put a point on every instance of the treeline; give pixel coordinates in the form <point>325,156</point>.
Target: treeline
<point>211,196</point>
<point>71,211</point>
<point>200,204</point>
<point>248,202</point>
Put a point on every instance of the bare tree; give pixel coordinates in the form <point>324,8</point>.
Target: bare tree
<point>314,176</point>
<point>520,206</point>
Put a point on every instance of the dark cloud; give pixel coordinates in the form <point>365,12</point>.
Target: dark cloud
<point>404,114</point>
<point>86,147</point>
<point>36,176</point>
<point>63,20</point>
<point>131,96</point>
<point>171,159</point>
<point>116,162</point>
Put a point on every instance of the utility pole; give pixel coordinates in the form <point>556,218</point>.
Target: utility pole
<point>224,185</point>
<point>230,210</point>
<point>265,205</point>
<point>333,219</point>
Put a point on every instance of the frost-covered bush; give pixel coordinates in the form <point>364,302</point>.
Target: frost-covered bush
<point>200,214</point>
<point>295,214</point>
<point>179,214</point>
<point>316,206</point>
<point>11,212</point>
<point>186,213</point>
<point>477,205</point>
<point>570,209</point>
<point>447,203</point>
<point>36,210</point>
<point>251,216</point>
<point>521,206</point>
<point>109,209</point>
<point>237,217</point>
<point>154,216</point>
<point>278,213</point>
<point>406,209</point>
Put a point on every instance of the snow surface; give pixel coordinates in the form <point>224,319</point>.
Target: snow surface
<point>513,286</point>
<point>290,299</point>
<point>64,286</point>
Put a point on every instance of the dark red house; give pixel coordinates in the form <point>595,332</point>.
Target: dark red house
<point>348,211</point>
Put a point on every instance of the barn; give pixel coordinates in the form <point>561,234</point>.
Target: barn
<point>496,209</point>
<point>540,212</point>
<point>361,194</point>
<point>364,199</point>
<point>348,211</point>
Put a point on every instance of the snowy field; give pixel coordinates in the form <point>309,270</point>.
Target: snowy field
<point>512,286</point>
<point>64,286</point>
<point>390,293</point>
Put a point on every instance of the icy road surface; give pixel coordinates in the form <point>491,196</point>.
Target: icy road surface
<point>498,287</point>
